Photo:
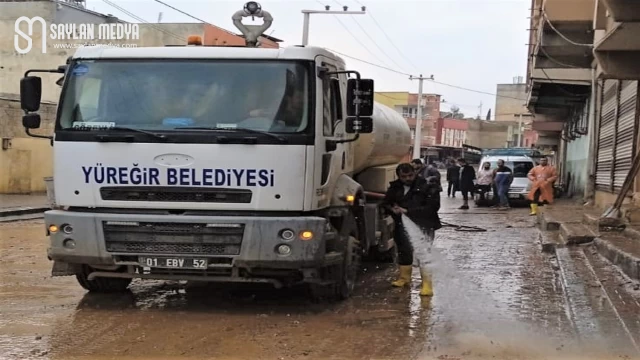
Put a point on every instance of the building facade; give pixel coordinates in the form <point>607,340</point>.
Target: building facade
<point>511,101</point>
<point>582,81</point>
<point>451,132</point>
<point>406,104</point>
<point>19,150</point>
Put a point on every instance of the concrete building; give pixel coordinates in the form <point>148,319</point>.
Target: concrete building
<point>582,80</point>
<point>451,132</point>
<point>18,149</point>
<point>488,134</point>
<point>511,101</point>
<point>406,104</point>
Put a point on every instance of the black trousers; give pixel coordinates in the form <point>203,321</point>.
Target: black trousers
<point>453,187</point>
<point>483,189</point>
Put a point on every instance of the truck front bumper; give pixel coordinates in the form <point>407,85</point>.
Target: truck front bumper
<point>511,195</point>
<point>112,239</point>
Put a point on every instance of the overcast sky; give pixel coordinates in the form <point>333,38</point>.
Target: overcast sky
<point>474,44</point>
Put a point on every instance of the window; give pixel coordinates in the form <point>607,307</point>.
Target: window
<point>169,94</point>
<point>332,109</point>
<point>88,104</point>
<point>520,168</point>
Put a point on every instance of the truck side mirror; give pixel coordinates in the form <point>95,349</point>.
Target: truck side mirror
<point>362,99</point>
<point>363,125</point>
<point>30,93</point>
<point>31,121</point>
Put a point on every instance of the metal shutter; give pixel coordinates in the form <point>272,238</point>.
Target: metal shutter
<point>625,133</point>
<point>604,164</point>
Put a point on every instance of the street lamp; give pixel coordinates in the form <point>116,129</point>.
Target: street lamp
<point>307,16</point>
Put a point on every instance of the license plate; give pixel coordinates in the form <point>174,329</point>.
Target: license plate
<point>173,263</point>
<point>514,196</point>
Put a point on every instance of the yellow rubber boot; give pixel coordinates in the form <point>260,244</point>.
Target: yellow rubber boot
<point>534,209</point>
<point>427,287</point>
<point>405,276</point>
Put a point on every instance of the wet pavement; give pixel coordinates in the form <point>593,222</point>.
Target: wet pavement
<point>17,201</point>
<point>497,296</point>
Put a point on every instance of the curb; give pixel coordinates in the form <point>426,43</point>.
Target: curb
<point>22,211</point>
<point>625,261</point>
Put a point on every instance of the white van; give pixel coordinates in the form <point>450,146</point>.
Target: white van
<point>521,185</point>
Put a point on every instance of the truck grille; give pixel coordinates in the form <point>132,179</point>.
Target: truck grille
<point>176,194</point>
<point>172,238</point>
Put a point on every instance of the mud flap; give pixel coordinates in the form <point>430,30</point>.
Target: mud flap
<point>64,269</point>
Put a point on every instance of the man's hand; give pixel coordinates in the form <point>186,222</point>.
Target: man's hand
<point>398,210</point>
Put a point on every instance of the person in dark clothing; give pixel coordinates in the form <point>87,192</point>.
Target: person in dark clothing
<point>453,178</point>
<point>467,182</point>
<point>419,200</point>
<point>502,177</point>
<point>428,172</point>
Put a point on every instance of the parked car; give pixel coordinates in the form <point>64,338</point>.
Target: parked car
<point>521,185</point>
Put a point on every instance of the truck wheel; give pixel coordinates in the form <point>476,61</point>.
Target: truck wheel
<point>101,285</point>
<point>343,277</point>
<point>351,269</point>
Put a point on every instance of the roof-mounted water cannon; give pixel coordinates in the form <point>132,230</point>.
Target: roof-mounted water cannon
<point>252,32</point>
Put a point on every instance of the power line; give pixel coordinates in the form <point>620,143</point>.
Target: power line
<point>388,38</point>
<point>183,12</point>
<point>476,91</point>
<point>546,18</point>
<point>370,38</point>
<point>364,61</point>
<point>433,81</point>
<point>370,63</point>
<point>125,11</point>
<point>354,36</point>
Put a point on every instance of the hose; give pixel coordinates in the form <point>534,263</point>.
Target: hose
<point>465,228</point>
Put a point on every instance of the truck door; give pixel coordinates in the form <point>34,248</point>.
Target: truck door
<point>332,162</point>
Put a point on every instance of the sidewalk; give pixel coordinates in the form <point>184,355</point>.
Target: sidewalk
<point>566,223</point>
<point>16,205</point>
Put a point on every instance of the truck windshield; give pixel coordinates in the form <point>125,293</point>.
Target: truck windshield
<point>169,95</point>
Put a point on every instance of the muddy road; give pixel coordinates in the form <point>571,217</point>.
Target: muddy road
<point>497,296</point>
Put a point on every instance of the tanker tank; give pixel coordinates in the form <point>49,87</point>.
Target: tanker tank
<point>387,144</point>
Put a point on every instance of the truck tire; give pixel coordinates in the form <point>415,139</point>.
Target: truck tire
<point>343,277</point>
<point>101,285</point>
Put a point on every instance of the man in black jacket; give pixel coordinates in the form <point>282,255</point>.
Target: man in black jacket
<point>453,178</point>
<point>467,182</point>
<point>419,200</point>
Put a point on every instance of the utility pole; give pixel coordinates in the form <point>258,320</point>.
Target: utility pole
<point>520,130</point>
<point>418,134</point>
<point>307,17</point>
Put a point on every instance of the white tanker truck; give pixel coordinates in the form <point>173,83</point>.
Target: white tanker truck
<point>224,164</point>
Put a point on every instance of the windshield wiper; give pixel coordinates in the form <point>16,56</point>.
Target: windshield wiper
<point>252,131</point>
<point>124,128</point>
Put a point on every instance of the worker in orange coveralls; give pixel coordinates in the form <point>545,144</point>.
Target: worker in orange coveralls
<point>542,176</point>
